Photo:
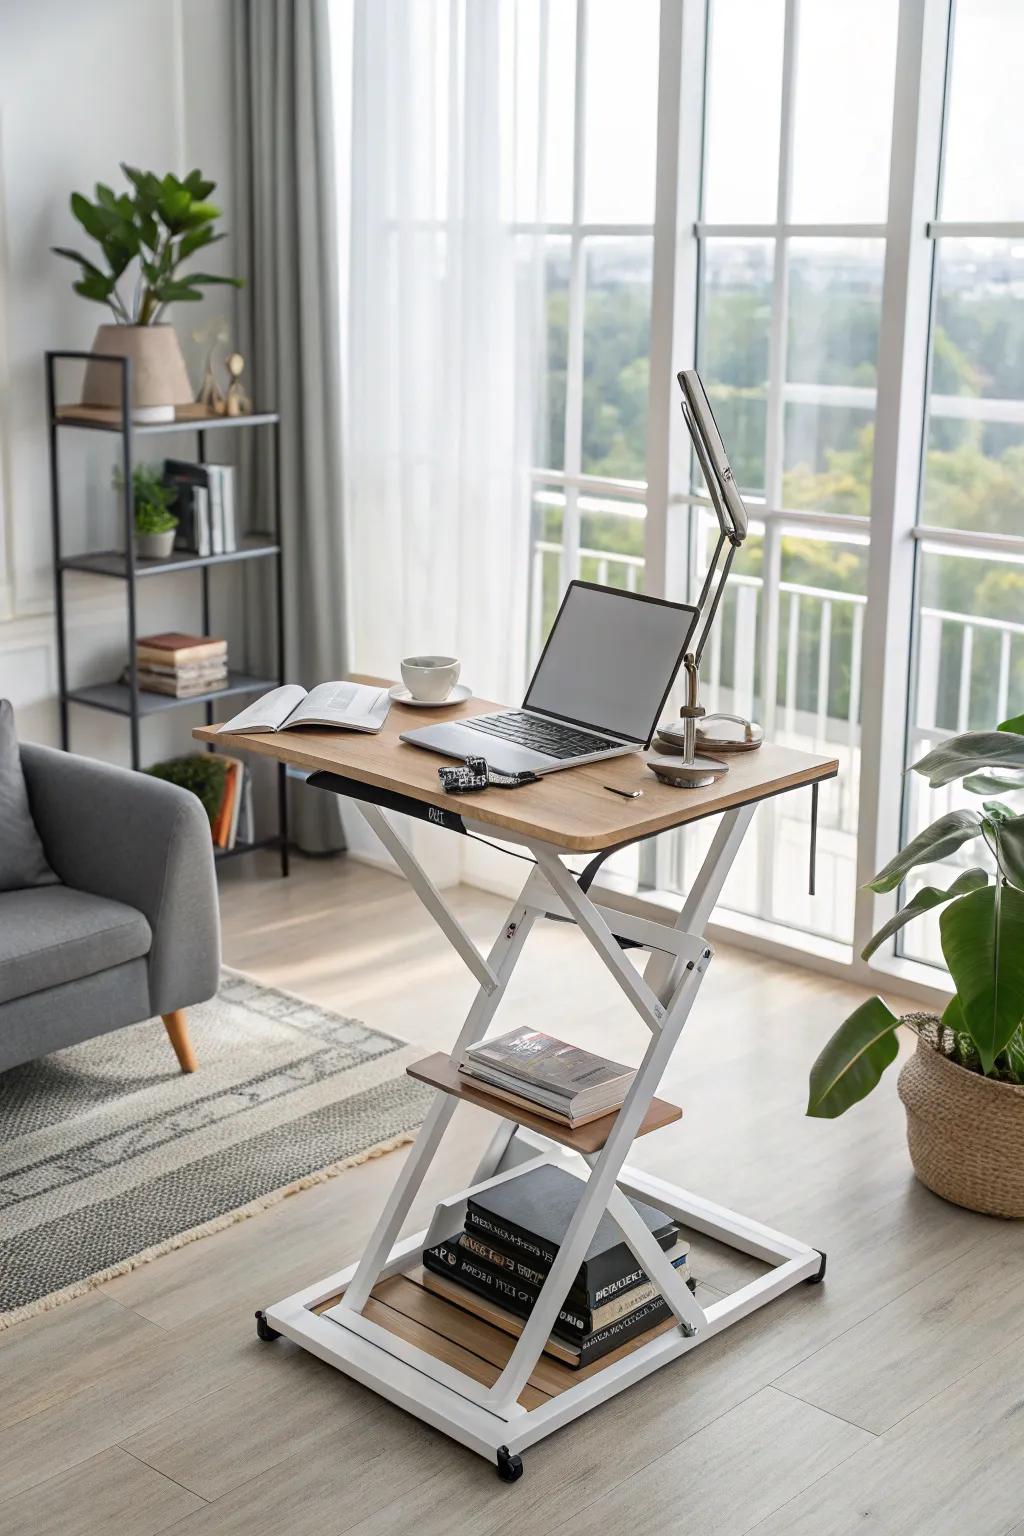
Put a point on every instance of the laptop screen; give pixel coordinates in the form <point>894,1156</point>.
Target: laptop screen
<point>610,660</point>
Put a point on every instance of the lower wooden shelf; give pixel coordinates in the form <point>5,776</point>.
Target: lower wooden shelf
<point>439,1072</point>
<point>404,1306</point>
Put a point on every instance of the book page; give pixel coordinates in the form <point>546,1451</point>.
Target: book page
<point>348,706</point>
<point>268,713</point>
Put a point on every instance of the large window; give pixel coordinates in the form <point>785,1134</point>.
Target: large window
<point>768,260</point>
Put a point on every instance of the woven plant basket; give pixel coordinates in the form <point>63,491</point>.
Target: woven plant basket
<point>965,1133</point>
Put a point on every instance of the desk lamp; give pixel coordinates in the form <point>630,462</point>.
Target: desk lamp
<point>691,769</point>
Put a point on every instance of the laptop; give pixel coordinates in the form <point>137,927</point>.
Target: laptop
<point>600,685</point>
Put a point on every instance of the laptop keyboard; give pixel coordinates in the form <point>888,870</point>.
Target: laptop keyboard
<point>548,736</point>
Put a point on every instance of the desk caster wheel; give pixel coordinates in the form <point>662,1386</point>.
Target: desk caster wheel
<point>510,1468</point>
<point>264,1330</point>
<point>819,1277</point>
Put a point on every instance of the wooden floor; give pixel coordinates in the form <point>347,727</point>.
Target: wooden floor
<point>889,1400</point>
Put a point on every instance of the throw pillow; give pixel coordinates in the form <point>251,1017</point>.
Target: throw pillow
<point>22,860</point>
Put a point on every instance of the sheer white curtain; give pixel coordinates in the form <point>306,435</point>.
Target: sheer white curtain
<point>445,330</point>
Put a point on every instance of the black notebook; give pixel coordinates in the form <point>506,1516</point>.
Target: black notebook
<point>530,1216</point>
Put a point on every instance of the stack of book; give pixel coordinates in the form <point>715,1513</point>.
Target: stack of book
<point>182,666</point>
<point>549,1076</point>
<point>497,1265</point>
<point>205,507</point>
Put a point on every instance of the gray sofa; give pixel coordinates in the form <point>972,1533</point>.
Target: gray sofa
<point>128,928</point>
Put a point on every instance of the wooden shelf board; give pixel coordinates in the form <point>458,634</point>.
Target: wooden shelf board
<point>403,1305</point>
<point>439,1072</point>
<point>187,418</point>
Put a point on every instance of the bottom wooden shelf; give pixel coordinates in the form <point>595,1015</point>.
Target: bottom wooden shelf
<point>404,1306</point>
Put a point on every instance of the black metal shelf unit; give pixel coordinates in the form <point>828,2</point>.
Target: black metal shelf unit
<point>126,698</point>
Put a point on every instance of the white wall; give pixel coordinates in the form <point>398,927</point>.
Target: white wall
<point>85,84</point>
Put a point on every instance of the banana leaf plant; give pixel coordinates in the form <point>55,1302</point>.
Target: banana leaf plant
<point>981,929</point>
<point>144,236</point>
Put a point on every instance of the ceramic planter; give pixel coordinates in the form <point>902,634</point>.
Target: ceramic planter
<point>154,546</point>
<point>160,379</point>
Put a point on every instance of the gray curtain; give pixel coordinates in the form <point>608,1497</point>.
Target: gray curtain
<point>286,240</point>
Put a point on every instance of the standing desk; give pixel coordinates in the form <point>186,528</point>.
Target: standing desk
<point>375,1321</point>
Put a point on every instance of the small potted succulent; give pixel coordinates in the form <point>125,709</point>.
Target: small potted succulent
<point>963,1088</point>
<point>144,237</point>
<point>155,523</point>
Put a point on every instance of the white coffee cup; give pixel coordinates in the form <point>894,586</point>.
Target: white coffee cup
<point>430,678</point>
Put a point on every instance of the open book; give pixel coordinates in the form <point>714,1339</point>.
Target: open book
<point>346,706</point>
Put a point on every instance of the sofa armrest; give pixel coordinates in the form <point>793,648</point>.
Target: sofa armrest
<point>136,839</point>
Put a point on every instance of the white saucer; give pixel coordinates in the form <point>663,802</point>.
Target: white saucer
<point>401,695</point>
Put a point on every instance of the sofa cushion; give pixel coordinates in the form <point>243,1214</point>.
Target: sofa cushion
<point>22,860</point>
<point>53,934</point>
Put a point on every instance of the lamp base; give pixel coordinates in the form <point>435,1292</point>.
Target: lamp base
<point>697,774</point>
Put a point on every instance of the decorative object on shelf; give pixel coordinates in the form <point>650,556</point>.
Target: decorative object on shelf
<point>236,401</point>
<point>159,225</point>
<point>154,521</point>
<point>210,395</point>
<point>965,1107</point>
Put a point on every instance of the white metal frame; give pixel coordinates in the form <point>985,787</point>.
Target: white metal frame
<point>486,1418</point>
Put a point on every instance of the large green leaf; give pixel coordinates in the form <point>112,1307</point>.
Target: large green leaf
<point>87,266</point>
<point>195,239</point>
<point>960,755</point>
<point>983,945</point>
<point>936,842</point>
<point>212,277</point>
<point>993,783</point>
<point>853,1060</point>
<point>1015,725</point>
<point>926,898</point>
<point>1006,839</point>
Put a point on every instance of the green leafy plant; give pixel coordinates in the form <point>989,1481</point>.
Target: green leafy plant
<point>981,929</point>
<point>152,499</point>
<point>201,772</point>
<point>158,225</point>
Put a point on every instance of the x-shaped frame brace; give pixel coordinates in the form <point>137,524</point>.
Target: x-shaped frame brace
<point>662,997</point>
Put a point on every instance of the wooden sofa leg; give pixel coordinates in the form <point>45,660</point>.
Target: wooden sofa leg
<point>176,1025</point>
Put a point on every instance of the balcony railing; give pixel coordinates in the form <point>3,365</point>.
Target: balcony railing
<point>966,669</point>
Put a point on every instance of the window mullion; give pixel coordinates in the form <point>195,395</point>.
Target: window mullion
<point>899,427</point>
<point>572,454</point>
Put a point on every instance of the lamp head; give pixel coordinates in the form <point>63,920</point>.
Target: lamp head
<point>712,457</point>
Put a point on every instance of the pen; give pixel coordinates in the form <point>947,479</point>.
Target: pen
<point>627,794</point>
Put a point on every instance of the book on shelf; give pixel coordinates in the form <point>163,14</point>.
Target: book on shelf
<point>180,688</point>
<point>175,648</point>
<point>528,1217</point>
<point>204,506</point>
<point>578,1316</point>
<point>509,1303</point>
<point>345,706</point>
<point>225,825</point>
<point>559,1080</point>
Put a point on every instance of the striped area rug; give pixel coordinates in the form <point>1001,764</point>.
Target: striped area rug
<point>109,1156</point>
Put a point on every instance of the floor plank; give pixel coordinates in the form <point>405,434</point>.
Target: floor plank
<point>923,1341</point>
<point>955,1465</point>
<point>109,1493</point>
<point>722,1479</point>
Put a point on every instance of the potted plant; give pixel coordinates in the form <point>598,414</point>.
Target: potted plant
<point>145,236</point>
<point>155,523</point>
<point>963,1089</point>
